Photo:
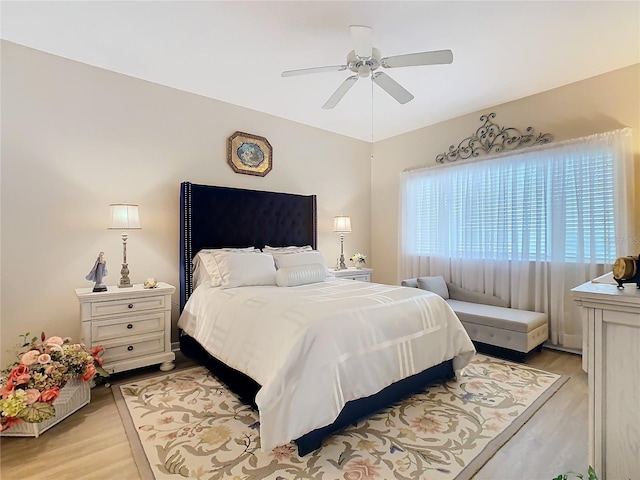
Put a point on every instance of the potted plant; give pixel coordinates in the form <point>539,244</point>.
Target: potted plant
<point>591,475</point>
<point>30,386</point>
<point>358,259</point>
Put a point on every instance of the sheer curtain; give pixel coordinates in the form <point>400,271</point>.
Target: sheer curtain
<point>525,226</point>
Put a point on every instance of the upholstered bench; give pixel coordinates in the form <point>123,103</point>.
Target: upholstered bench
<point>488,320</point>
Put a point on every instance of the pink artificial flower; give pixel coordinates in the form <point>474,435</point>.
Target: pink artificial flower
<point>19,374</point>
<point>55,340</point>
<point>96,350</point>
<point>48,396</point>
<point>33,395</point>
<point>49,370</point>
<point>44,358</point>
<point>7,389</point>
<point>88,373</point>
<point>8,421</point>
<point>30,357</point>
<point>77,347</point>
<point>22,379</point>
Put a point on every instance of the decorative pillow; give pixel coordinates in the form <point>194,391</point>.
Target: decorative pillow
<point>464,295</point>
<point>300,275</point>
<point>205,267</point>
<point>291,249</point>
<point>436,285</point>
<point>238,269</point>
<point>410,282</point>
<point>310,257</point>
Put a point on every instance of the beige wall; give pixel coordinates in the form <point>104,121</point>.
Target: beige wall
<point>599,104</point>
<point>76,138</point>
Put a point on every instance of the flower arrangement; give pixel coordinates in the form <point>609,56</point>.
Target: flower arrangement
<point>358,258</point>
<point>30,385</point>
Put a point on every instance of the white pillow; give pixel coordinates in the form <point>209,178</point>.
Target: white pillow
<point>311,257</point>
<point>436,285</point>
<point>237,269</point>
<point>291,249</point>
<point>205,267</point>
<point>300,275</point>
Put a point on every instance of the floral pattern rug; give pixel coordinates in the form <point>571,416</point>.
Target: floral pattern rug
<point>191,426</point>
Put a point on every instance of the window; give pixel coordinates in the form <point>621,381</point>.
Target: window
<point>537,206</point>
<point>527,226</point>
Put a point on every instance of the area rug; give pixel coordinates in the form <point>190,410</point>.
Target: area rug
<point>186,424</point>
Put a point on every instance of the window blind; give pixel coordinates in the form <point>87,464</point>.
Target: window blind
<point>528,207</point>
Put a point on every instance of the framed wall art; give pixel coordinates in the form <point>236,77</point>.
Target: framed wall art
<point>249,154</point>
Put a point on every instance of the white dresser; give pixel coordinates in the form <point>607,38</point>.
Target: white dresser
<point>353,273</point>
<point>611,330</point>
<point>132,324</point>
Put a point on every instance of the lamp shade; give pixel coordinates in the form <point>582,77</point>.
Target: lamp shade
<point>124,216</point>
<point>342,224</point>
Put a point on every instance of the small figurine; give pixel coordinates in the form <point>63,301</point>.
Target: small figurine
<point>98,272</point>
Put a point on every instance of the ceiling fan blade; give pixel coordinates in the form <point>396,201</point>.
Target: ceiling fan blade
<point>436,57</point>
<point>304,71</point>
<point>340,92</point>
<point>362,37</point>
<point>392,87</point>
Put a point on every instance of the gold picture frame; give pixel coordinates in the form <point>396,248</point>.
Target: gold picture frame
<point>249,154</point>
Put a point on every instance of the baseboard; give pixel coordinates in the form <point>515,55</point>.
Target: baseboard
<point>560,348</point>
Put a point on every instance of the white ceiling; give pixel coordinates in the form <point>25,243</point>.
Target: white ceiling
<point>235,51</point>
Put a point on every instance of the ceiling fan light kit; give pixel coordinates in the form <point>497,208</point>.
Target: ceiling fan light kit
<point>365,59</point>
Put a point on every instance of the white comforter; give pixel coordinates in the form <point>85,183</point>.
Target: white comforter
<point>315,347</point>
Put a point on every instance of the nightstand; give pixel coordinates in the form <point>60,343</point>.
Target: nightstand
<point>353,273</point>
<point>132,324</point>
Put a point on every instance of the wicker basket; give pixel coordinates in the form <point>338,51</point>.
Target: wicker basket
<point>73,396</point>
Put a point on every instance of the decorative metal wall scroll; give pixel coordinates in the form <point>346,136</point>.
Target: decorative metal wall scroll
<point>492,138</point>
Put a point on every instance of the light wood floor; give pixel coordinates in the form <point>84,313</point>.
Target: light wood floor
<point>92,443</point>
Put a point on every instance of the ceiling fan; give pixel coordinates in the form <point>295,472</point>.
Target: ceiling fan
<point>365,59</point>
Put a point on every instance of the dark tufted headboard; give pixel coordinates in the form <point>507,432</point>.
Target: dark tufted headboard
<point>217,217</point>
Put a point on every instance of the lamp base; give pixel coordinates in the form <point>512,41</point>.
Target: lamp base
<point>125,281</point>
<point>342,264</point>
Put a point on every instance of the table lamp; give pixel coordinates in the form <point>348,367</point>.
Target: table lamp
<point>342,225</point>
<point>124,216</point>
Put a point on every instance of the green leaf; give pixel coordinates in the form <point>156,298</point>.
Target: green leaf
<point>37,412</point>
<point>592,473</point>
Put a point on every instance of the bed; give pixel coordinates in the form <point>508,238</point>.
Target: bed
<point>284,366</point>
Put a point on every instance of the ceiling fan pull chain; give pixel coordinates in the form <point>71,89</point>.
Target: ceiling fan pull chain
<point>371,121</point>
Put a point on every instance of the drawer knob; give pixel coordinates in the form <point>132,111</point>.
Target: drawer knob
<point>130,347</point>
<point>130,326</point>
<point>130,305</point>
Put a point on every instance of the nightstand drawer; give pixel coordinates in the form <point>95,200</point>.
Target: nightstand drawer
<point>112,307</point>
<point>127,326</point>
<point>125,348</point>
<point>361,278</point>
<point>359,274</point>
